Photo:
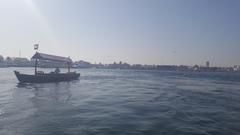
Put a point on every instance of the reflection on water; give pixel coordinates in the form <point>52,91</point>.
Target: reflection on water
<point>122,102</point>
<point>43,104</point>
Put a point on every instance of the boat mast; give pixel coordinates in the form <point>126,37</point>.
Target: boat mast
<point>36,61</point>
<point>35,66</point>
<point>69,65</point>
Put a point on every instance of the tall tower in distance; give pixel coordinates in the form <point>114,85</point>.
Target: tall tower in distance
<point>207,64</point>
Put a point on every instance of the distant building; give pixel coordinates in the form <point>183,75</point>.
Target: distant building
<point>236,68</point>
<point>82,64</point>
<point>1,59</point>
<point>137,66</point>
<point>183,68</point>
<point>167,67</point>
<point>196,68</point>
<point>126,66</point>
<point>17,61</point>
<point>2,64</point>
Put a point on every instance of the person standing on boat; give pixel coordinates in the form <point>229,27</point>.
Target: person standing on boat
<point>57,70</point>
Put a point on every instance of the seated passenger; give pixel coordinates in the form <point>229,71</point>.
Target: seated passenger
<point>40,72</point>
<point>57,70</point>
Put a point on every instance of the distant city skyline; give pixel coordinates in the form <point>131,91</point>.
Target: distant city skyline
<point>161,32</point>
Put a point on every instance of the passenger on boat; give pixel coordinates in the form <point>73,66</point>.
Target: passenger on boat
<point>40,72</point>
<point>57,70</point>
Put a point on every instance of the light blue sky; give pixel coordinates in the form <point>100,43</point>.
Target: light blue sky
<point>135,31</point>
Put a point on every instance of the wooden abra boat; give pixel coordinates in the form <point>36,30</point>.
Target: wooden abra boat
<point>45,78</point>
<point>40,77</point>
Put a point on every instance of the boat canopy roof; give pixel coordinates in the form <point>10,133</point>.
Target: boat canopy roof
<point>42,56</point>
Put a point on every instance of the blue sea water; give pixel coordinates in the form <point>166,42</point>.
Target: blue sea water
<point>122,102</point>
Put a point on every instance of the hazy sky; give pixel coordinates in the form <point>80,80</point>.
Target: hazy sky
<point>134,31</point>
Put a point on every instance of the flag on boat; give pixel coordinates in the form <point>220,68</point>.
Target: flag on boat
<point>36,46</point>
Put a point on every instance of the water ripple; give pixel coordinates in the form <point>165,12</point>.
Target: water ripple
<point>122,102</point>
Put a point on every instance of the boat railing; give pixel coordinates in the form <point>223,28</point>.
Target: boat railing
<point>40,72</point>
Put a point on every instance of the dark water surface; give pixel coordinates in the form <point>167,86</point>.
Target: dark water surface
<point>120,102</point>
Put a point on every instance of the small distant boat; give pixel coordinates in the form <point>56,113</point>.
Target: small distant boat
<point>41,77</point>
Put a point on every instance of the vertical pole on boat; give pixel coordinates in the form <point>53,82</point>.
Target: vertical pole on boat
<point>68,67</point>
<point>35,66</point>
<point>36,61</point>
<point>69,64</point>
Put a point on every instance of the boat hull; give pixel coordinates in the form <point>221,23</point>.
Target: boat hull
<point>46,78</point>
